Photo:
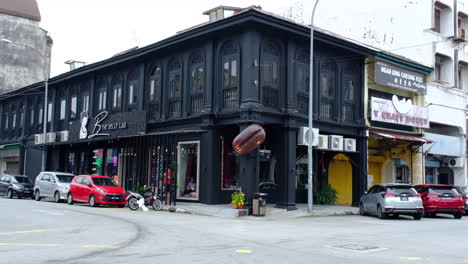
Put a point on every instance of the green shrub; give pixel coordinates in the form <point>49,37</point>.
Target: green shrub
<point>326,195</point>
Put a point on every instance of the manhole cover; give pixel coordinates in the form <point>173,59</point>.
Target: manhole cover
<point>357,247</point>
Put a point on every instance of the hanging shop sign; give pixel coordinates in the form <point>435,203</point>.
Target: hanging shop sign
<point>105,124</point>
<point>400,112</point>
<point>249,139</point>
<point>390,75</point>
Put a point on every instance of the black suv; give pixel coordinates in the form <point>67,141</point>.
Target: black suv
<point>16,185</point>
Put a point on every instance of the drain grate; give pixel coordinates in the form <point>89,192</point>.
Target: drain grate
<point>357,247</point>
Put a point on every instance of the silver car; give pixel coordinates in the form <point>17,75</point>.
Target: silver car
<point>52,184</point>
<point>463,190</point>
<point>392,199</point>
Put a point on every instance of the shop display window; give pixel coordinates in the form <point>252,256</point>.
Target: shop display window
<point>188,170</point>
<point>229,165</point>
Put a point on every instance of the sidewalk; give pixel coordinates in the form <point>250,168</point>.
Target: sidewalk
<point>272,213</point>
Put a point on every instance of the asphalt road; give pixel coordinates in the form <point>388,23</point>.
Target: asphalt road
<point>46,232</point>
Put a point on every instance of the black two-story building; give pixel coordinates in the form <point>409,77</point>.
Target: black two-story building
<point>174,107</point>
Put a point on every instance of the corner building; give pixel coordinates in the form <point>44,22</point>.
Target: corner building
<point>174,107</point>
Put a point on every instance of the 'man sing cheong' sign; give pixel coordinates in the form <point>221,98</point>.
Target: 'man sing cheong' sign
<point>397,77</point>
<point>400,112</point>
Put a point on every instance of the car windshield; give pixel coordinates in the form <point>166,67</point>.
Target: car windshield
<point>65,178</point>
<point>397,190</point>
<point>464,189</point>
<point>442,190</point>
<point>21,179</point>
<point>104,182</point>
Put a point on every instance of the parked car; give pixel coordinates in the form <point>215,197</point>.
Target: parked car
<point>52,184</point>
<point>441,198</point>
<point>16,185</point>
<point>463,190</point>
<point>96,190</point>
<point>391,199</point>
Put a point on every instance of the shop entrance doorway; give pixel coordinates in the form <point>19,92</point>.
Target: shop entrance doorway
<point>445,176</point>
<point>401,171</point>
<point>340,177</point>
<point>127,170</point>
<point>188,176</point>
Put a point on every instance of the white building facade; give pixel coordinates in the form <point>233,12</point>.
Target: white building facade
<point>431,32</point>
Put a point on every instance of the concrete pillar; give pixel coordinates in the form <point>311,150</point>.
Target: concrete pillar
<point>417,168</point>
<point>287,177</point>
<point>248,175</point>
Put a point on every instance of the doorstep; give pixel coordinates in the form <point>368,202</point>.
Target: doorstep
<point>225,210</point>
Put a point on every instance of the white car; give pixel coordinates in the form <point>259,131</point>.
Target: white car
<point>52,184</point>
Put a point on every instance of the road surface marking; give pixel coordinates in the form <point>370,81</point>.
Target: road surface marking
<point>238,221</point>
<point>99,246</point>
<point>411,258</point>
<point>29,244</point>
<point>244,251</point>
<point>24,232</point>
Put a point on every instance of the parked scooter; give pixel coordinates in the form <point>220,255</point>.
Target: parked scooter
<point>137,201</point>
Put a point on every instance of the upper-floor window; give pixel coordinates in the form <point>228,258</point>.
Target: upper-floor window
<point>73,103</point>
<point>327,90</point>
<point>5,120</point>
<point>197,78</point>
<point>40,114</point>
<point>230,75</point>
<point>85,98</point>
<point>132,89</point>
<point>63,107</point>
<point>116,92</point>
<point>21,116</point>
<point>301,80</point>
<point>101,97</point>
<point>155,93</point>
<point>443,69</point>
<point>270,74</point>
<point>349,98</point>
<point>49,112</point>
<point>443,18</point>
<point>175,87</point>
<point>13,120</point>
<point>32,116</point>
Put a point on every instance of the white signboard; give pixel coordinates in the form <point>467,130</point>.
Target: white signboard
<point>400,112</point>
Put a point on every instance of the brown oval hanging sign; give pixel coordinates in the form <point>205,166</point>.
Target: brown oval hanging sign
<point>249,139</point>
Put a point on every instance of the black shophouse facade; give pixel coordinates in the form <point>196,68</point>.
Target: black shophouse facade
<point>174,107</point>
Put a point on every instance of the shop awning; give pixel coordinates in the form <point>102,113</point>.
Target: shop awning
<point>10,146</point>
<point>402,137</point>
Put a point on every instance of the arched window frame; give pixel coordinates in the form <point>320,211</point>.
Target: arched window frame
<point>154,92</point>
<point>101,95</point>
<point>302,79</point>
<point>327,85</point>
<point>230,74</point>
<point>349,84</point>
<point>117,95</point>
<point>174,88</point>
<point>270,73</point>
<point>132,90</point>
<point>85,97</point>
<point>197,82</point>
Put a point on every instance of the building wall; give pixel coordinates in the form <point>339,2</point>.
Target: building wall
<point>21,66</point>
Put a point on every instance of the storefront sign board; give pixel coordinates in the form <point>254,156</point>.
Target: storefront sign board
<point>384,110</point>
<point>390,75</point>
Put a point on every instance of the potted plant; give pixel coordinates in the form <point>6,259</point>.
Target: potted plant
<point>238,199</point>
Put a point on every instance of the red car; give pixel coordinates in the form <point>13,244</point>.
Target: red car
<point>440,198</point>
<point>95,190</point>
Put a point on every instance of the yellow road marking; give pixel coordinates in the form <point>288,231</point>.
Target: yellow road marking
<point>243,251</point>
<point>411,258</point>
<point>24,232</point>
<point>99,246</point>
<point>237,221</point>
<point>29,244</point>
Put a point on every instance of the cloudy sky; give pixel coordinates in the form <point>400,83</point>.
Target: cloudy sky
<point>93,30</point>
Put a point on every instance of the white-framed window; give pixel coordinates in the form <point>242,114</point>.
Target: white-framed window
<point>63,105</point>
<point>188,170</point>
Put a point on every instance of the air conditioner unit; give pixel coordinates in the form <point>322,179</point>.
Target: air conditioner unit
<point>39,139</point>
<point>303,136</point>
<point>350,144</point>
<point>50,137</point>
<point>63,136</point>
<point>455,162</point>
<point>336,142</point>
<point>322,142</point>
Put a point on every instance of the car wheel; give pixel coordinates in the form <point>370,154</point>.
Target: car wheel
<point>396,215</point>
<point>57,197</point>
<point>417,216</point>
<point>37,196</point>
<point>70,199</point>
<point>10,194</point>
<point>92,201</point>
<point>458,215</point>
<point>380,213</point>
<point>361,210</point>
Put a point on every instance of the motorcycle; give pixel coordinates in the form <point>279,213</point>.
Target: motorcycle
<point>137,201</point>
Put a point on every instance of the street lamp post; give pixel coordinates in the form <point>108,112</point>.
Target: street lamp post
<point>311,97</point>
<point>46,88</point>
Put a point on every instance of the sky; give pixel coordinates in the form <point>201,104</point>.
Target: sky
<point>94,30</point>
